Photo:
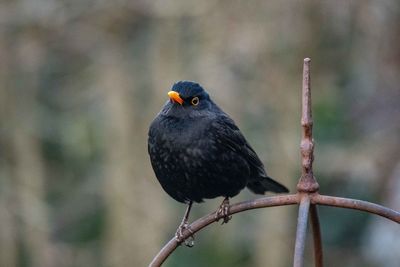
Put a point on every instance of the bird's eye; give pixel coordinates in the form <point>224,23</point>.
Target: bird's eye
<point>195,101</point>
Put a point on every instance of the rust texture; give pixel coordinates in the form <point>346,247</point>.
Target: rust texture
<point>307,196</point>
<point>307,182</point>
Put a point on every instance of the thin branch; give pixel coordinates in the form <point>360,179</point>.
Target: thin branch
<point>210,218</point>
<point>301,234</point>
<point>357,205</point>
<point>318,254</point>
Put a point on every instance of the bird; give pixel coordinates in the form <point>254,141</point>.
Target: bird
<point>197,152</point>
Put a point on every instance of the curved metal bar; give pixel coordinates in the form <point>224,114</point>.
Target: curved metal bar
<point>316,229</point>
<point>301,233</point>
<point>210,218</point>
<point>356,205</point>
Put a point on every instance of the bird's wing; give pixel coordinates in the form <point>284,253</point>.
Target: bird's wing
<point>229,136</point>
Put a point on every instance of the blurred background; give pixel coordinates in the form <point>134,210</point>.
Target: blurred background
<point>80,82</point>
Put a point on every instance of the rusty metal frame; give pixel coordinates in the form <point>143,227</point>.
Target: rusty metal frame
<point>307,196</point>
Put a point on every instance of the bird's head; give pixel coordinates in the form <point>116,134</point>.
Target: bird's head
<point>188,98</point>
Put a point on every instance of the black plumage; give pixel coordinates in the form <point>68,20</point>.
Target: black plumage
<point>197,151</point>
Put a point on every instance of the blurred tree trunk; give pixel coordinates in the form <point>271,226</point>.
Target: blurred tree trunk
<point>134,217</point>
<point>272,246</point>
<point>8,244</point>
<point>29,207</point>
<point>25,210</point>
<point>8,230</point>
<point>29,189</point>
<point>381,238</point>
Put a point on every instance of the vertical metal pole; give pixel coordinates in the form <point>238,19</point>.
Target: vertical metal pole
<point>301,234</point>
<point>318,254</point>
<point>307,182</point>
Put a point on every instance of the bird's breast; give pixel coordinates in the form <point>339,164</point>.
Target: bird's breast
<point>186,141</point>
<point>191,163</point>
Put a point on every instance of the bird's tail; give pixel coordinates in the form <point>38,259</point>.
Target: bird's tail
<point>260,186</point>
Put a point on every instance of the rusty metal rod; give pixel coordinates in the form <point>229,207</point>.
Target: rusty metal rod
<point>307,182</point>
<point>301,234</point>
<point>316,230</point>
<point>210,218</point>
<point>356,205</point>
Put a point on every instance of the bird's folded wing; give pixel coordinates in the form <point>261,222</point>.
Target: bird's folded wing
<point>229,136</point>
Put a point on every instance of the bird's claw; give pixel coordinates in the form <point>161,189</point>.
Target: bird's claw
<point>189,242</point>
<point>223,212</point>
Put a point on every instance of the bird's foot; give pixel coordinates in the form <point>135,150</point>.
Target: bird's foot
<point>189,242</point>
<point>223,211</point>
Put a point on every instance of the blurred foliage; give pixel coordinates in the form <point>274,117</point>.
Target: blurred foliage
<point>80,82</point>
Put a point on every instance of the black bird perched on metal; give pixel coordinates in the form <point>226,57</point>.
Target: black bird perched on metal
<point>198,152</point>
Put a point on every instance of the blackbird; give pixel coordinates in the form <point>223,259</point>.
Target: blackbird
<point>197,152</point>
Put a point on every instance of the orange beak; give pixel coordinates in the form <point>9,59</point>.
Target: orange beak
<point>174,96</point>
